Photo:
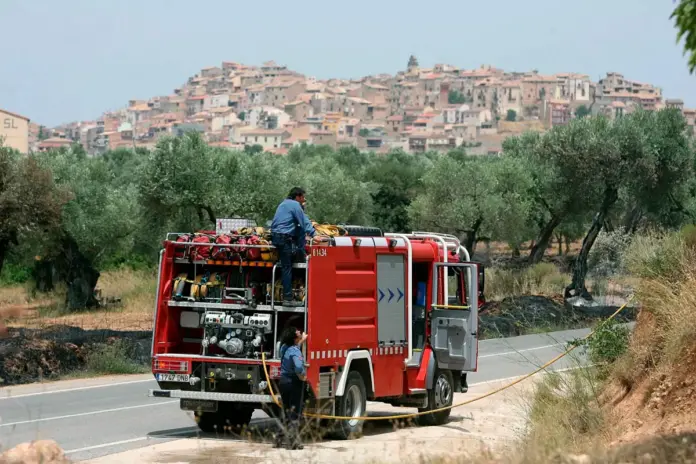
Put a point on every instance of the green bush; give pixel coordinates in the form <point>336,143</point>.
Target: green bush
<point>688,235</point>
<point>608,343</point>
<point>113,358</point>
<point>13,274</point>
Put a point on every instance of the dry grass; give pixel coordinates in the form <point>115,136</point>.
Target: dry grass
<point>135,288</point>
<point>540,279</point>
<point>667,292</point>
<point>565,414</point>
<point>13,295</point>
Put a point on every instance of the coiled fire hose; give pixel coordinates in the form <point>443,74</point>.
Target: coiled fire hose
<point>463,403</point>
<point>329,230</point>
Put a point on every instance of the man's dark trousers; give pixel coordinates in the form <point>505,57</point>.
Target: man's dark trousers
<point>286,249</point>
<point>291,393</point>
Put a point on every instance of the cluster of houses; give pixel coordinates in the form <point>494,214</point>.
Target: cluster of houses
<point>417,110</point>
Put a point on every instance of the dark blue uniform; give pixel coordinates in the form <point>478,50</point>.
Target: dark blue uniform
<point>291,390</point>
<point>288,229</point>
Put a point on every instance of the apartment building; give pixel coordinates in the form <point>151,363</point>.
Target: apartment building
<point>14,131</point>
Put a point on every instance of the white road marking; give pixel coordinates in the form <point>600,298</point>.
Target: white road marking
<point>548,370</point>
<point>65,390</point>
<point>105,445</point>
<point>125,442</point>
<point>505,353</point>
<point>91,413</point>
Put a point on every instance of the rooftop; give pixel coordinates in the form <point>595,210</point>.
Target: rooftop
<point>15,115</point>
<point>266,132</point>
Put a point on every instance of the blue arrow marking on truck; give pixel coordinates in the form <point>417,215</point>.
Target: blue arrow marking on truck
<point>401,294</point>
<point>391,294</point>
<point>381,294</point>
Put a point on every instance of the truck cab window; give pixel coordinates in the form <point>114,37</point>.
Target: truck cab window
<point>421,275</point>
<point>456,287</point>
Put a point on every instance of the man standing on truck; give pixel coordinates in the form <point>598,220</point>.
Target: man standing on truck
<point>288,230</point>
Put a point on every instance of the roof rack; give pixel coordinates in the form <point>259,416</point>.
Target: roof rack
<point>227,225</point>
<point>447,240</point>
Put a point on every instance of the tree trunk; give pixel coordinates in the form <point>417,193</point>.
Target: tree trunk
<point>577,286</point>
<point>80,276</point>
<point>211,214</point>
<point>472,237</point>
<point>43,275</point>
<point>542,242</point>
<point>608,225</point>
<point>4,246</point>
<point>516,251</point>
<point>560,244</point>
<point>631,220</point>
<point>567,244</point>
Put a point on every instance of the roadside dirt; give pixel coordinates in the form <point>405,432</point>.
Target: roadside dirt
<point>490,426</point>
<point>661,404</point>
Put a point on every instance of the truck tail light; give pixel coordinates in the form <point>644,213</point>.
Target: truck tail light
<point>169,365</point>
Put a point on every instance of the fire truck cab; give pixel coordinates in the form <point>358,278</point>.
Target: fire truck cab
<point>390,318</point>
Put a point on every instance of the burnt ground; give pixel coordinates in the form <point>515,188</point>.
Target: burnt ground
<point>525,314</point>
<point>31,355</point>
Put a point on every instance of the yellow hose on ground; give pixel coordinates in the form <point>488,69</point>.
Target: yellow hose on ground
<point>485,395</point>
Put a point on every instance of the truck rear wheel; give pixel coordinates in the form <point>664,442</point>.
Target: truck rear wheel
<point>440,396</point>
<point>353,403</point>
<point>230,417</point>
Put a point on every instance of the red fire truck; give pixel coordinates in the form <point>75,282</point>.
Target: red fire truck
<point>391,318</point>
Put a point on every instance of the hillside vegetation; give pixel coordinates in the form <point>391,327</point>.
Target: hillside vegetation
<point>637,402</point>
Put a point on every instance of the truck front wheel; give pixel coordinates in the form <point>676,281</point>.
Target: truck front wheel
<point>230,417</point>
<point>353,403</point>
<point>440,396</point>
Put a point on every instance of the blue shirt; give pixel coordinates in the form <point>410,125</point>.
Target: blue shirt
<point>292,362</point>
<point>289,217</point>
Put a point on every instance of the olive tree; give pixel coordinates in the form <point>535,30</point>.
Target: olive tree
<point>180,177</point>
<point>252,186</point>
<point>29,199</point>
<point>648,155</point>
<point>334,196</point>
<point>463,196</point>
<point>397,179</point>
<point>98,222</point>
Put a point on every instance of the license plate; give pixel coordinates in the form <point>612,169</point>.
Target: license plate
<point>188,404</point>
<point>173,377</point>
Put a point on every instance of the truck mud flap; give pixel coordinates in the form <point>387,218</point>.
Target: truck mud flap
<point>187,404</point>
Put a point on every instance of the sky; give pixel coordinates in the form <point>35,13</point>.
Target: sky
<point>68,60</point>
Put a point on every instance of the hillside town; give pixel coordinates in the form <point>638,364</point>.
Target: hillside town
<point>417,110</point>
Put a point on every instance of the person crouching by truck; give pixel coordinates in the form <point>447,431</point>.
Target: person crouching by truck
<point>288,230</point>
<point>292,386</point>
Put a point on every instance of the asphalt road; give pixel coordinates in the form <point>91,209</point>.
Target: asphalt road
<point>95,417</point>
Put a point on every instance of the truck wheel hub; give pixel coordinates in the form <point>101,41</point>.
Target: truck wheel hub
<point>443,392</point>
